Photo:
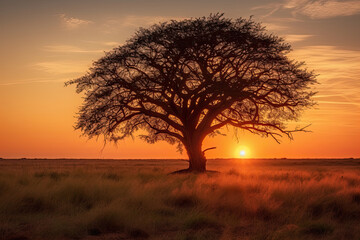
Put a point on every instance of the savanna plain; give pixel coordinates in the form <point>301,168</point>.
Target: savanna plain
<point>139,199</point>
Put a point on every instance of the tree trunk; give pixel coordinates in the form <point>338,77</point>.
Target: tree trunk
<point>197,160</point>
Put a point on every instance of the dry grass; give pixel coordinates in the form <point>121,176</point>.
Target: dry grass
<point>137,199</point>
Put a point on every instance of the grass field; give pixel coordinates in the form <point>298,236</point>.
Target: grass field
<point>138,199</point>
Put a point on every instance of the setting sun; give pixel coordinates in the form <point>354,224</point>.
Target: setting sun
<point>242,153</point>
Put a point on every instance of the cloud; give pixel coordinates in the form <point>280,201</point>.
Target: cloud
<point>111,44</point>
<point>294,3</point>
<point>331,62</point>
<point>325,8</point>
<point>72,22</point>
<point>61,67</point>
<point>339,72</point>
<point>315,9</point>
<point>69,49</point>
<point>275,27</point>
<point>34,80</point>
<point>101,44</point>
<point>296,37</point>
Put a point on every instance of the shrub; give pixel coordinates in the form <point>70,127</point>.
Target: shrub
<point>105,221</point>
<point>318,228</point>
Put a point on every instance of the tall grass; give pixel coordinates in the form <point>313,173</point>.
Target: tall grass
<point>111,200</point>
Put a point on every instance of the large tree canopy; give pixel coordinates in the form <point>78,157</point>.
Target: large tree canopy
<point>183,80</point>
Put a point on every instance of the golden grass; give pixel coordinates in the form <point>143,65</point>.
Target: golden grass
<point>138,199</point>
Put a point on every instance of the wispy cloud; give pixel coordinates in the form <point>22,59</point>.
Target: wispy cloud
<point>315,9</point>
<point>294,3</point>
<point>325,8</point>
<point>61,67</point>
<point>275,27</point>
<point>69,49</point>
<point>339,72</point>
<point>102,44</point>
<point>297,37</point>
<point>34,80</point>
<point>72,22</point>
<point>111,44</point>
<point>331,62</point>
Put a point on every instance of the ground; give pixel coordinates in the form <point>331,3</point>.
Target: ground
<point>139,199</point>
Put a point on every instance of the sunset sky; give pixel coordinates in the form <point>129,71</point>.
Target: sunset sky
<point>45,43</point>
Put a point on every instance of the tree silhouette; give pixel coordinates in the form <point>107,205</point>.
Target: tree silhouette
<point>183,80</point>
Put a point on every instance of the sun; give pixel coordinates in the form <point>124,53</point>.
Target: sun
<point>242,153</point>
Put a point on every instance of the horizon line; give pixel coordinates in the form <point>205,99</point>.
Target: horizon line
<point>184,159</point>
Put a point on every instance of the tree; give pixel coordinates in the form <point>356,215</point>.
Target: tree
<point>184,80</point>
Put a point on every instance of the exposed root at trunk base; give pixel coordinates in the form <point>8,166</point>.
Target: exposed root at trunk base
<point>187,170</point>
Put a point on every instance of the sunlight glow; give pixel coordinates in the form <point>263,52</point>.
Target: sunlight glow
<point>242,153</point>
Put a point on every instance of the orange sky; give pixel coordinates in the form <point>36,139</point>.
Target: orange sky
<point>45,43</point>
